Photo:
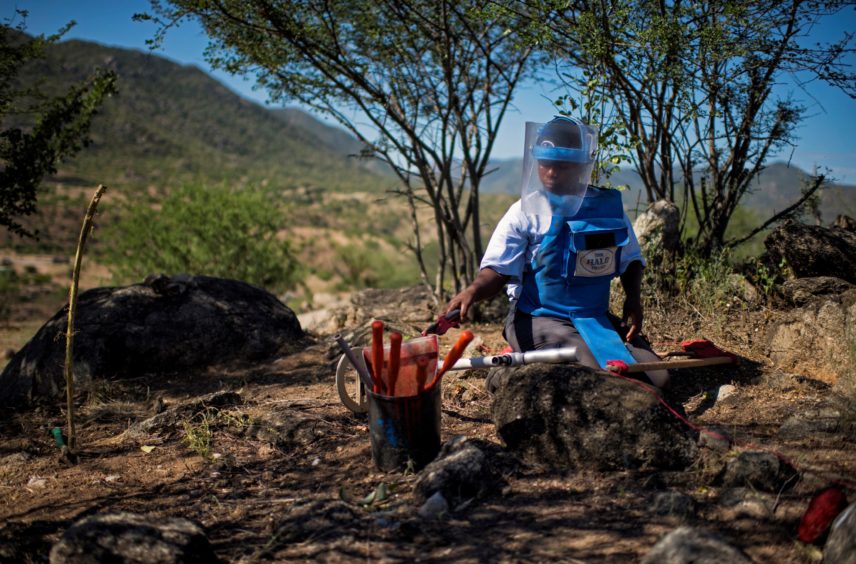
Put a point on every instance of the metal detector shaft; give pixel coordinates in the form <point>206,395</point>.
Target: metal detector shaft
<point>551,356</point>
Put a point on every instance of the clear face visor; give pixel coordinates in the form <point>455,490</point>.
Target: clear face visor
<point>557,171</point>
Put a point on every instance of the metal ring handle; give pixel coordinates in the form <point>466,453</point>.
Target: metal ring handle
<point>342,370</point>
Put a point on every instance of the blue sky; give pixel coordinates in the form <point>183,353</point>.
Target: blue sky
<point>826,136</point>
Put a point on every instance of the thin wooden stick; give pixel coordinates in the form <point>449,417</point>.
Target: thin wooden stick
<point>72,306</point>
<point>667,364</point>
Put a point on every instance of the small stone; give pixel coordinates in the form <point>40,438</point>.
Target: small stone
<point>36,482</point>
<point>725,392</point>
<point>434,508</point>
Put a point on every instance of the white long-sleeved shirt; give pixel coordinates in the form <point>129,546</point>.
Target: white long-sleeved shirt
<point>517,238</point>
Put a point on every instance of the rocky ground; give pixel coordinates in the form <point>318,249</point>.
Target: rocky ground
<point>273,467</point>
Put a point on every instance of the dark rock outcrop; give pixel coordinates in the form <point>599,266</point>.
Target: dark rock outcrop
<point>575,417</point>
<point>163,326</point>
<point>818,339</point>
<point>812,250</point>
<point>131,538</point>
<point>801,291</point>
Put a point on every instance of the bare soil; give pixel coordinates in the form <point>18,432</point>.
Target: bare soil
<point>306,499</point>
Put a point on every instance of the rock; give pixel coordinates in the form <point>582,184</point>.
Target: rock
<point>840,547</point>
<point>725,391</point>
<point>328,521</point>
<point>132,538</point>
<point>170,418</point>
<point>813,250</point>
<point>759,470</point>
<point>818,339</point>
<point>286,428</point>
<point>686,545</point>
<point>743,288</point>
<point>16,459</point>
<point>170,325</point>
<point>742,502</point>
<point>811,421</point>
<point>658,227</point>
<point>716,439</point>
<point>463,470</point>
<point>567,416</point>
<point>674,503</point>
<point>434,508</point>
<point>801,291</point>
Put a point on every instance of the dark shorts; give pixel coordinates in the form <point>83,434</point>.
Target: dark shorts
<point>526,333</point>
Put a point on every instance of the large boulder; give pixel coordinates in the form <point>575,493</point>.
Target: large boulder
<point>163,325</point>
<point>658,228</point>
<point>813,250</point>
<point>819,339</point>
<point>574,417</point>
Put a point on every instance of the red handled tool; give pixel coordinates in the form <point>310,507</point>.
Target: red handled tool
<point>456,353</point>
<point>377,355</point>
<point>444,323</point>
<point>394,360</point>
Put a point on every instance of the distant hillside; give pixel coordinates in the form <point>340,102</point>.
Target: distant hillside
<point>172,123</point>
<point>777,187</point>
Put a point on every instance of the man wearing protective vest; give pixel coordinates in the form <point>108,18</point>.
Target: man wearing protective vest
<point>557,250</point>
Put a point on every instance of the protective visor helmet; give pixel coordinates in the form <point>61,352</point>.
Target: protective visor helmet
<point>557,166</point>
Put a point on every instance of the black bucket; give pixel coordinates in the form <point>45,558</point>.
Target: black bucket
<point>404,430</point>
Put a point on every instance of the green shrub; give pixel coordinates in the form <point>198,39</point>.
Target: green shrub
<point>215,231</point>
<point>363,265</point>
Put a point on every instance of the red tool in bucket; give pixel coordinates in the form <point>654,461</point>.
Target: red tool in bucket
<point>403,410</point>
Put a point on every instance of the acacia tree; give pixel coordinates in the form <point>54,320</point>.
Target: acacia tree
<point>694,86</point>
<point>38,131</point>
<point>424,84</point>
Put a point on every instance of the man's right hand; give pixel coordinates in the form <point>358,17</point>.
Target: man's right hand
<point>487,284</point>
<point>462,301</point>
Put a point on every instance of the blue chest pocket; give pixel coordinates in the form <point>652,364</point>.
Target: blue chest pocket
<point>594,248</point>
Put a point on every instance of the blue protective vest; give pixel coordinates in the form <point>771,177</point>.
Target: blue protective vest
<point>571,273</point>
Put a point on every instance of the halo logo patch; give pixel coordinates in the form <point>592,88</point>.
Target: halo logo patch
<point>596,262</point>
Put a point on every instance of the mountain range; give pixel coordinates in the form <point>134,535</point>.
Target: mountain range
<point>171,122</point>
<point>776,187</point>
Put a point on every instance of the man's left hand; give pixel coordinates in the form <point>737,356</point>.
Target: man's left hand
<point>633,316</point>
